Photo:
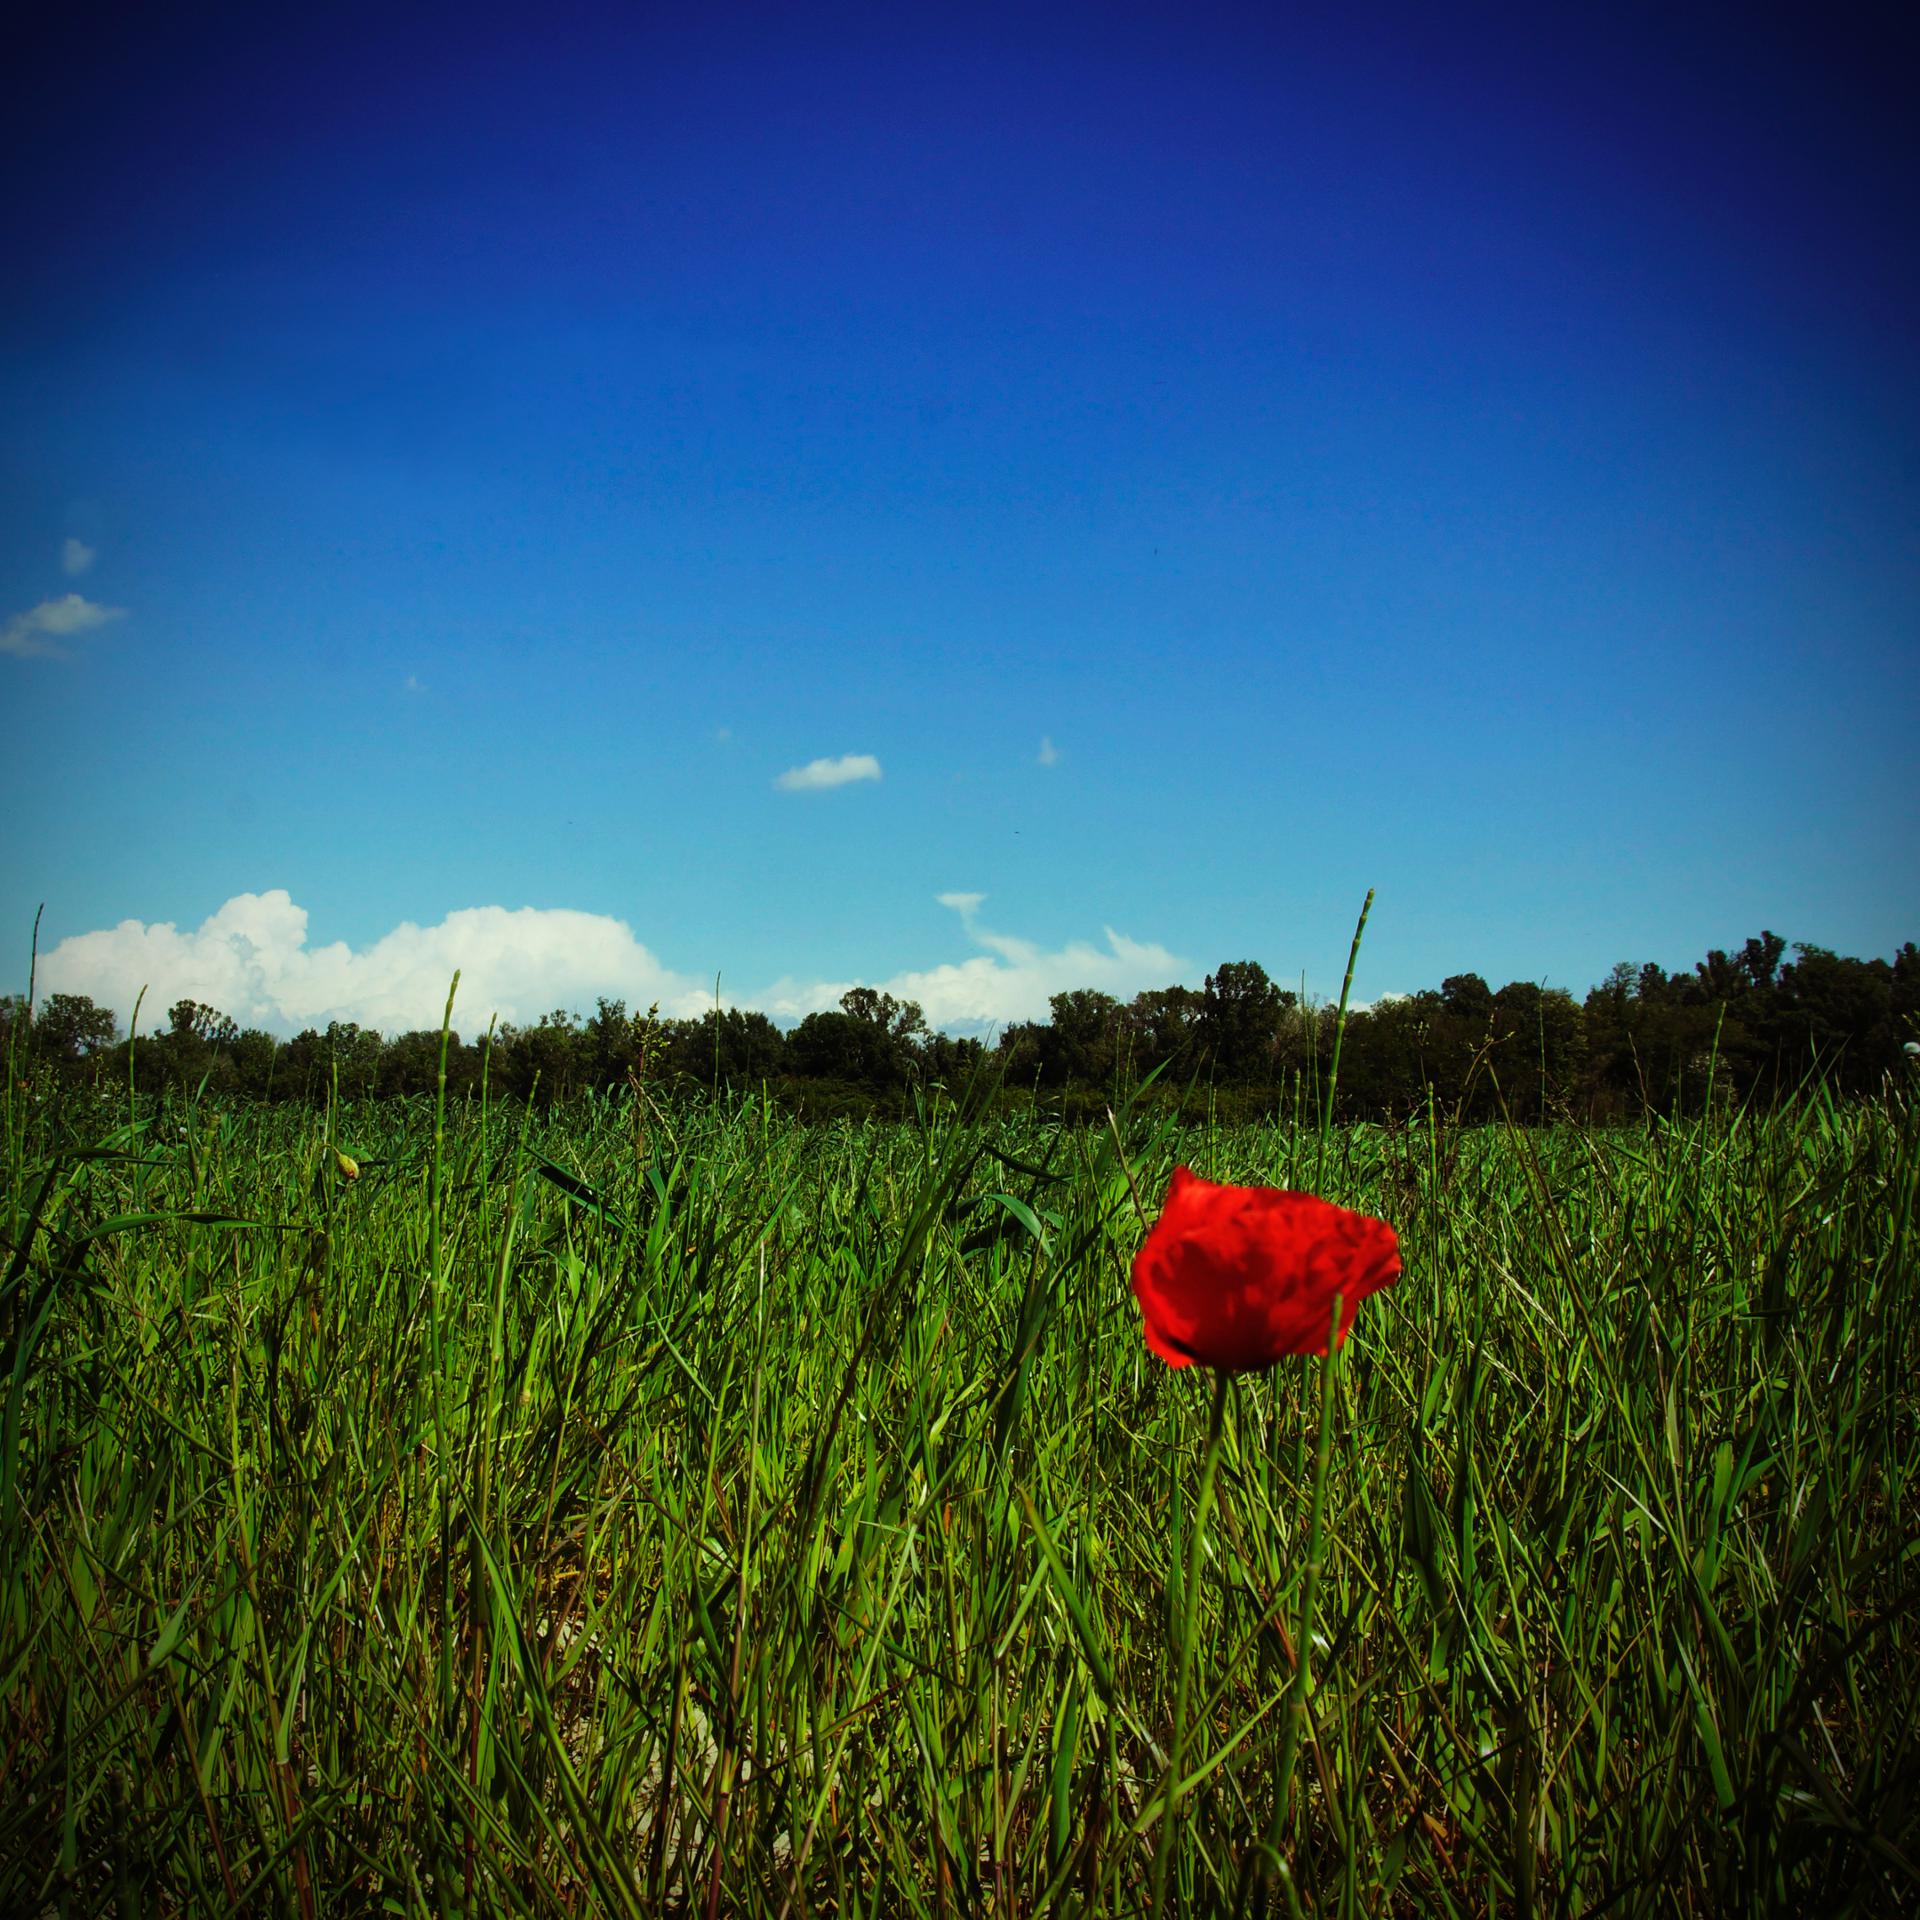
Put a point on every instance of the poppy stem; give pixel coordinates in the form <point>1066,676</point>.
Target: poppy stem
<point>1189,1623</point>
<point>1269,1863</point>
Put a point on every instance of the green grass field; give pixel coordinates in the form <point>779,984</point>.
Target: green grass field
<point>692,1511</point>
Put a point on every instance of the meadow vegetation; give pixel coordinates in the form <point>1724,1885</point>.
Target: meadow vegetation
<point>665,1506</point>
<point>1751,1025</point>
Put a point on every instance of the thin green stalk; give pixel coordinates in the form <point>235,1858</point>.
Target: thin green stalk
<point>486,1136</point>
<point>436,1282</point>
<point>1189,1623</point>
<point>1268,1860</point>
<point>1339,1036</point>
<point>133,1027</point>
<point>33,963</point>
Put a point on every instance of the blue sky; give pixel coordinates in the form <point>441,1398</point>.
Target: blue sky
<point>1208,465</point>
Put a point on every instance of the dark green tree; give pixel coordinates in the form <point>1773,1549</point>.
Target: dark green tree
<point>69,1029</point>
<point>900,1020</point>
<point>952,1061</point>
<point>410,1063</point>
<point>1538,1048</point>
<point>728,1047</point>
<point>1465,996</point>
<point>547,1060</point>
<point>1084,1045</point>
<point>254,1060</point>
<point>1837,1018</point>
<point>834,1045</point>
<point>301,1073</point>
<point>1240,1014</point>
<point>1161,1026</point>
<point>195,1051</point>
<point>353,1058</point>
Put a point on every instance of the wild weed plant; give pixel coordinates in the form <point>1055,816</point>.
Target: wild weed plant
<point>631,1510</point>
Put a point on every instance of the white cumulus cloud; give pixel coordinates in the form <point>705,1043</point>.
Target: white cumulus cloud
<point>818,774</point>
<point>1013,979</point>
<point>39,630</point>
<point>252,960</point>
<point>76,557</point>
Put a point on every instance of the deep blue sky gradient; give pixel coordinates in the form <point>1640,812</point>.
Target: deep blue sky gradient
<point>1471,456</point>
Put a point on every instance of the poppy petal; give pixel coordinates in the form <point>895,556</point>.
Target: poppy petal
<point>1238,1277</point>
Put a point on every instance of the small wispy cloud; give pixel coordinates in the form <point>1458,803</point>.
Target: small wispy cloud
<point>1049,754</point>
<point>38,631</point>
<point>817,775</point>
<point>76,557</point>
<point>413,684</point>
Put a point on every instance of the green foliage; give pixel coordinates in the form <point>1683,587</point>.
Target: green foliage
<point>1740,1029</point>
<point>1240,1021</point>
<point>737,1516</point>
<point>68,1027</point>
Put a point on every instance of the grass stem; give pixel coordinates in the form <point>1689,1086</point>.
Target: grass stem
<point>1189,1634</point>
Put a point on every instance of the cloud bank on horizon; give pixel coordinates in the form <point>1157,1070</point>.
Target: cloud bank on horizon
<point>252,960</point>
<point>1012,980</point>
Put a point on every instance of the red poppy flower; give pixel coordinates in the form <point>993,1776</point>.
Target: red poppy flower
<point>1234,1277</point>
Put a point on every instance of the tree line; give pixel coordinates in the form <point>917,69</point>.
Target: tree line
<point>1750,1025</point>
